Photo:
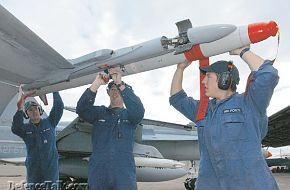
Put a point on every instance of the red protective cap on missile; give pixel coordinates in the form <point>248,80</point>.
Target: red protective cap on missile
<point>261,31</point>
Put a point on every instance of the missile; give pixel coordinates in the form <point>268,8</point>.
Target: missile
<point>78,168</point>
<point>192,43</point>
<point>242,36</point>
<point>158,174</point>
<point>154,162</point>
<point>157,163</point>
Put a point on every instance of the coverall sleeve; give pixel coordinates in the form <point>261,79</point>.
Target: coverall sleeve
<point>184,104</point>
<point>17,124</point>
<point>134,106</point>
<point>57,109</point>
<point>86,109</point>
<point>262,85</point>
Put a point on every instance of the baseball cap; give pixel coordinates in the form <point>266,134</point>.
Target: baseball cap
<point>221,67</point>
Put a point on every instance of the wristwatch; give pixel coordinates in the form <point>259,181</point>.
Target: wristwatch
<point>244,51</point>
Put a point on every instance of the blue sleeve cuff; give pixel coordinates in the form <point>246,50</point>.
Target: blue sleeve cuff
<point>175,97</point>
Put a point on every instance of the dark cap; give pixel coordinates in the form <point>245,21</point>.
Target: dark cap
<point>28,104</point>
<point>221,67</point>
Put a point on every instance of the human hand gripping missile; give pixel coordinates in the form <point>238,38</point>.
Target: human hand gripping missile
<point>192,43</point>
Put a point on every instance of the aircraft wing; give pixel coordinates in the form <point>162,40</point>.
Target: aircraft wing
<point>279,129</point>
<point>25,58</point>
<point>14,161</point>
<point>278,161</point>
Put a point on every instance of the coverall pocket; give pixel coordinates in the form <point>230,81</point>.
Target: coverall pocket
<point>47,135</point>
<point>234,127</point>
<point>126,129</point>
<point>30,139</point>
<point>101,134</point>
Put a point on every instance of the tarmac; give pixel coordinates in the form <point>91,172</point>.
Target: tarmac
<point>13,176</point>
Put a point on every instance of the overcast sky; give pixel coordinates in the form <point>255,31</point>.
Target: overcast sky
<point>74,28</point>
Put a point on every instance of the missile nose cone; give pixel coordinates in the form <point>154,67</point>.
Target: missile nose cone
<point>273,28</point>
<point>261,31</point>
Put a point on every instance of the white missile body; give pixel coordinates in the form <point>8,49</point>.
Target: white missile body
<point>238,38</point>
<point>157,163</point>
<point>154,162</point>
<point>147,169</point>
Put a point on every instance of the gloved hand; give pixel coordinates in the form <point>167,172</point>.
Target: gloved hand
<point>116,75</point>
<point>21,97</point>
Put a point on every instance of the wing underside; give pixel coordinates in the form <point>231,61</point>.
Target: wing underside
<point>25,57</point>
<point>279,129</point>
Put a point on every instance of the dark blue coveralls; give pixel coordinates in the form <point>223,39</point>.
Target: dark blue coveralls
<point>111,164</point>
<point>231,133</point>
<point>42,156</point>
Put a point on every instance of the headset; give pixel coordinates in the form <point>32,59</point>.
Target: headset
<point>40,109</point>
<point>225,79</point>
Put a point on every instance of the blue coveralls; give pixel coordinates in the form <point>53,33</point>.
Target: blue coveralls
<point>112,165</point>
<point>42,156</point>
<point>231,133</point>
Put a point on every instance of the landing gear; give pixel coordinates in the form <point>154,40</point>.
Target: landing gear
<point>189,183</point>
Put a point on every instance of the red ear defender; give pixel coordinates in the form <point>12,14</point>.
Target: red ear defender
<point>230,66</point>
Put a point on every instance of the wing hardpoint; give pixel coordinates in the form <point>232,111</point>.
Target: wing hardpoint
<point>25,58</point>
<point>279,129</point>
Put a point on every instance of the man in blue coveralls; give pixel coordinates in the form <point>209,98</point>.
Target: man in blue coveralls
<point>230,135</point>
<point>39,137</point>
<point>111,164</point>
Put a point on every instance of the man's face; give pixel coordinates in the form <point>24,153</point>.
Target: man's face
<point>114,92</point>
<point>115,96</point>
<point>33,113</point>
<point>210,82</point>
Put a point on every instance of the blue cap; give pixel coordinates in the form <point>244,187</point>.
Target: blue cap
<point>221,67</point>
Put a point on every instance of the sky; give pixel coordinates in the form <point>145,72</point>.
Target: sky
<point>75,28</point>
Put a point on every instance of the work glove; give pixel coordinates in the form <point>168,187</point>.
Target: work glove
<point>21,97</point>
